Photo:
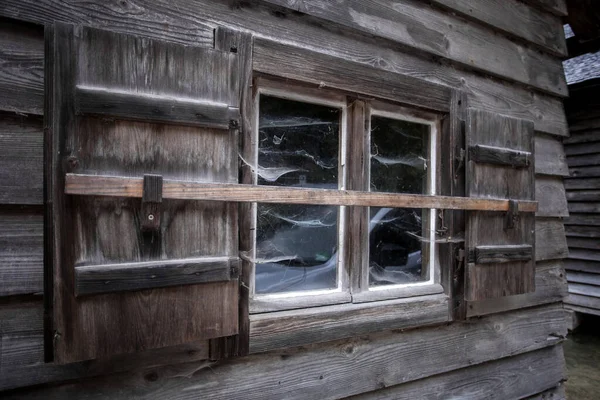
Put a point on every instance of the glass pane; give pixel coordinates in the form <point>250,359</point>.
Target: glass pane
<point>399,162</point>
<point>296,245</point>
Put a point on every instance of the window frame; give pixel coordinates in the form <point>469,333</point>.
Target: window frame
<point>347,291</point>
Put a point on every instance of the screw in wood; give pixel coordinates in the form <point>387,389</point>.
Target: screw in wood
<point>150,217</point>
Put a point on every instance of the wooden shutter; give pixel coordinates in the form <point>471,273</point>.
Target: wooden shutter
<point>500,245</point>
<point>129,274</point>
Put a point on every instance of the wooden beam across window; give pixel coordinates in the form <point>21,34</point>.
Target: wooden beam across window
<point>97,185</point>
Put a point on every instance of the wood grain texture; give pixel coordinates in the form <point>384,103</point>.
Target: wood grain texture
<point>22,72</point>
<point>551,197</point>
<point>557,7</point>
<point>322,324</point>
<point>550,287</point>
<point>501,254</point>
<point>583,160</point>
<point>330,72</point>
<point>488,94</point>
<point>98,326</point>
<point>124,277</point>
<point>111,186</point>
<point>584,243</point>
<point>556,393</point>
<point>486,229</point>
<point>550,156</point>
<point>153,108</point>
<point>551,243</point>
<point>21,251</point>
<point>329,371</point>
<point>514,18</point>
<point>540,369</point>
<point>499,156</point>
<point>421,27</point>
<point>21,159</point>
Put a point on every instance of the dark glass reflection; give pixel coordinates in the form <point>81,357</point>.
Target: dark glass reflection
<point>296,245</point>
<point>399,162</point>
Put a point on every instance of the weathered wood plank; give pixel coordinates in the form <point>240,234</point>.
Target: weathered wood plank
<point>488,94</point>
<point>501,254</point>
<point>550,240</point>
<point>537,371</point>
<point>21,159</point>
<point>550,156</point>
<point>21,251</point>
<point>585,172</point>
<point>551,196</point>
<point>581,309</point>
<point>330,72</point>
<point>582,265</point>
<point>582,148</point>
<point>583,195</point>
<point>593,208</point>
<point>106,278</point>
<point>584,125</point>
<point>327,371</point>
<point>322,324</point>
<point>22,72</point>
<point>585,243</point>
<point>499,156</point>
<point>556,393</point>
<point>582,183</point>
<point>97,185</point>
<point>515,18</point>
<point>146,107</point>
<point>584,254</point>
<point>583,219</point>
<point>557,7</point>
<point>550,287</point>
<point>583,160</point>
<point>582,137</point>
<point>419,26</point>
<point>583,301</point>
<point>584,277</point>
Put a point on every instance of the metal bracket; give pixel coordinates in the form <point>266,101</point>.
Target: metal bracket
<point>512,215</point>
<point>151,201</point>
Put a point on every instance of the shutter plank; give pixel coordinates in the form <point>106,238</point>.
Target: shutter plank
<point>502,259</point>
<point>93,233</point>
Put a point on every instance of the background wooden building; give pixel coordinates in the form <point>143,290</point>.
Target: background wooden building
<point>583,186</point>
<point>495,62</point>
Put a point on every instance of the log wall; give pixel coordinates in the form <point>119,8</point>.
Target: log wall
<point>506,58</point>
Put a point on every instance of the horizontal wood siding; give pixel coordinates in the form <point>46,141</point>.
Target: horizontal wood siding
<point>329,371</point>
<point>457,44</point>
<point>583,194</point>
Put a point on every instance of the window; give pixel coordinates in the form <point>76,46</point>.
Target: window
<point>298,253</point>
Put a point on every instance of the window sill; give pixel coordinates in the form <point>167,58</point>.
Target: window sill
<point>397,292</point>
<point>266,304</point>
<point>279,330</point>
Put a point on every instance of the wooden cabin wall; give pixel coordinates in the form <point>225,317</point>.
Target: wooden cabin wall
<point>583,194</point>
<point>505,57</point>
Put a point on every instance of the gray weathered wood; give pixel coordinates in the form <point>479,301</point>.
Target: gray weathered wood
<point>582,265</point>
<point>416,25</point>
<point>557,7</point>
<point>22,72</point>
<point>509,99</point>
<point>584,277</point>
<point>21,159</point>
<point>582,137</point>
<point>111,186</point>
<point>556,393</point>
<point>499,156</point>
<point>582,148</point>
<point>95,279</point>
<point>582,183</point>
<point>550,156</point>
<point>499,254</point>
<point>586,243</point>
<point>583,160</point>
<point>583,301</point>
<point>550,287</point>
<point>148,107</point>
<point>329,371</point>
<point>593,208</point>
<point>107,231</point>
<point>330,72</point>
<point>551,243</point>
<point>514,18</point>
<point>583,219</point>
<point>584,254</point>
<point>485,281</point>
<point>581,309</point>
<point>583,195</point>
<point>496,380</point>
<point>551,196</point>
<point>321,324</point>
<point>21,251</point>
<point>585,172</point>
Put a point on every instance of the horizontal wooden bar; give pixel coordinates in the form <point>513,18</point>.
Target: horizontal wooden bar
<point>121,277</point>
<point>501,254</point>
<point>97,185</point>
<point>499,156</point>
<point>147,107</point>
